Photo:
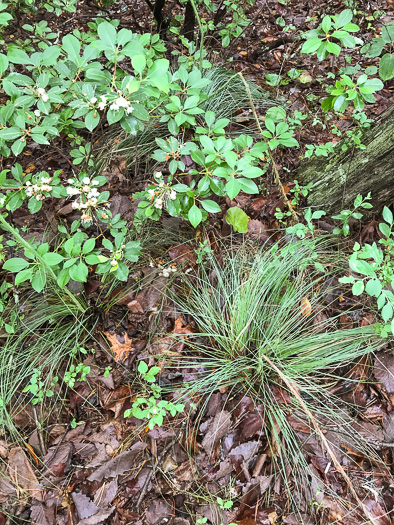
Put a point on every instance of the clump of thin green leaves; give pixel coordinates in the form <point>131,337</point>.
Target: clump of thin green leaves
<point>49,330</point>
<point>226,96</point>
<point>257,335</point>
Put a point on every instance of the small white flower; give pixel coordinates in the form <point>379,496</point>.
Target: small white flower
<point>86,180</point>
<point>158,175</point>
<point>45,97</point>
<point>122,102</point>
<point>37,112</point>
<point>93,193</point>
<point>75,205</point>
<point>73,191</point>
<point>151,192</point>
<point>114,262</point>
<point>103,99</point>
<point>159,204</point>
<point>70,181</point>
<point>189,270</point>
<point>95,182</point>
<point>102,105</point>
<point>41,91</point>
<point>151,264</point>
<point>104,216</point>
<point>129,109</point>
<point>114,107</point>
<point>40,197</point>
<point>172,195</point>
<point>2,201</point>
<point>86,188</point>
<point>93,100</point>
<point>28,183</point>
<point>166,273</point>
<point>86,218</point>
<point>161,184</point>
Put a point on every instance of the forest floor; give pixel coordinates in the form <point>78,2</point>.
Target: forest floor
<point>83,462</point>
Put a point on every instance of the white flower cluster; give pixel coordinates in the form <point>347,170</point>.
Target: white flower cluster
<point>43,94</point>
<point>159,194</point>
<point>115,105</point>
<point>121,102</point>
<point>88,192</point>
<point>37,188</point>
<point>2,200</point>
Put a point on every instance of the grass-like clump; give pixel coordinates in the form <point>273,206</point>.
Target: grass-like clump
<point>260,331</point>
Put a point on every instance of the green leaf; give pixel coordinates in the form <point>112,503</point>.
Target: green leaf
<point>63,278</point>
<point>88,246</point>
<point>52,259</point>
<point>23,275</point>
<point>10,133</point>
<point>358,288</point>
<point>362,267</point>
<point>211,206</point>
<point>238,219</point>
<point>373,287</point>
<point>326,24</point>
<point>38,281</point>
<point>333,48</point>
<point>387,215</point>
<point>92,119</point>
<point>276,114</point>
<point>311,45</point>
<point>79,272</point>
<point>233,187</point>
<point>107,34</point>
<point>72,47</point>
<point>15,264</point>
<point>194,216</point>
<point>387,312</point>
<point>3,63</point>
<point>139,63</point>
<point>386,67</point>
<point>388,33</point>
<point>92,259</point>
<point>122,272</point>
<point>142,368</point>
<point>344,18</point>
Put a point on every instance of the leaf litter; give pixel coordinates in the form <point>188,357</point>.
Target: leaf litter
<point>102,467</point>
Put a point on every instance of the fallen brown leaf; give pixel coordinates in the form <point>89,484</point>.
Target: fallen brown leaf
<point>120,345</point>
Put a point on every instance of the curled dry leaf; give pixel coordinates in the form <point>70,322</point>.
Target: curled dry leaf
<point>120,345</point>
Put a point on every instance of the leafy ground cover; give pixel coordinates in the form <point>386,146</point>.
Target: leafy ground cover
<point>183,339</point>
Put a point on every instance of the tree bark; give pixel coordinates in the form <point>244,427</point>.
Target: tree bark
<point>338,179</point>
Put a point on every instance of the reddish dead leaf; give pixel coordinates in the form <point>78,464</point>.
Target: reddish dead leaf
<point>257,230</point>
<point>182,253</point>
<point>120,345</point>
<point>306,308</point>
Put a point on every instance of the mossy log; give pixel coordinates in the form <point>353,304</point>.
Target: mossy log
<point>338,179</point>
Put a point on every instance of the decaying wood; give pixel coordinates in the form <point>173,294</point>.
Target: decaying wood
<point>338,179</point>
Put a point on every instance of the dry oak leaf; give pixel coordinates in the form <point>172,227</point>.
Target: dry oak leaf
<point>120,345</point>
